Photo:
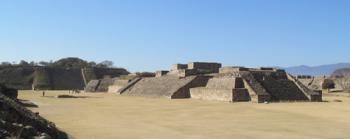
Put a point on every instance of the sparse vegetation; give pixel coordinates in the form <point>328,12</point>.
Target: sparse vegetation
<point>70,62</point>
<point>328,84</point>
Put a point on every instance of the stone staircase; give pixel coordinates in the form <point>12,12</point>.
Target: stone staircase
<point>311,94</point>
<point>165,86</point>
<point>280,87</point>
<point>283,90</point>
<point>256,91</point>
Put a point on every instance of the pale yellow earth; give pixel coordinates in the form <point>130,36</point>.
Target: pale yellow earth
<point>110,116</point>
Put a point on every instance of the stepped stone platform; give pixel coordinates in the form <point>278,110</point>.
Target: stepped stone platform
<point>270,84</point>
<point>208,81</point>
<point>222,89</point>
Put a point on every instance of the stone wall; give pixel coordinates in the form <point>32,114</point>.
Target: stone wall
<point>17,77</point>
<point>179,66</point>
<point>109,72</point>
<point>222,89</point>
<point>228,95</point>
<point>57,79</point>
<point>47,78</point>
<point>161,73</point>
<point>66,79</point>
<point>225,83</point>
<point>204,93</point>
<point>205,67</point>
<point>42,79</point>
<point>194,68</point>
<point>225,70</point>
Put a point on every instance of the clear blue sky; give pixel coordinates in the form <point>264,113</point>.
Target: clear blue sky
<point>146,35</point>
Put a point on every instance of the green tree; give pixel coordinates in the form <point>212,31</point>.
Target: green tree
<point>70,62</point>
<point>328,84</point>
<point>105,64</point>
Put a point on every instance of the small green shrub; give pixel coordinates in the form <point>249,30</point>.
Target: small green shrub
<point>328,84</point>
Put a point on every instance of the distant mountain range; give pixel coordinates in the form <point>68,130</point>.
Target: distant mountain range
<point>316,70</point>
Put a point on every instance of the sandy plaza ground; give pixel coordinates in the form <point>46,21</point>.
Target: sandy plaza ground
<point>111,116</point>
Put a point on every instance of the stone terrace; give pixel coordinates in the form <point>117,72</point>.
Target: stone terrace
<point>209,81</point>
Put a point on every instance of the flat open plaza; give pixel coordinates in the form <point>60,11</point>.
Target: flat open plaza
<point>106,115</point>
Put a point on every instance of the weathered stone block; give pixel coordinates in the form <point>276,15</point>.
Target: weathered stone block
<point>225,83</point>
<point>232,69</point>
<point>209,67</point>
<point>161,73</point>
<point>229,95</point>
<point>179,66</point>
<point>186,72</point>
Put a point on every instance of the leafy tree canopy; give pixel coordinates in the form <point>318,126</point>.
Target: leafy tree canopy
<point>70,62</point>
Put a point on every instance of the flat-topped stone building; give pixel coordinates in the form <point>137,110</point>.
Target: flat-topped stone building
<point>271,84</point>
<point>179,66</point>
<point>210,81</point>
<point>203,67</point>
<point>194,68</point>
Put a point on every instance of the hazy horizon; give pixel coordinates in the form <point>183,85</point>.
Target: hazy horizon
<point>153,35</point>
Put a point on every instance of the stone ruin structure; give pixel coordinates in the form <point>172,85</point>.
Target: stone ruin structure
<point>312,82</point>
<point>109,84</point>
<point>195,68</point>
<point>209,81</point>
<point>223,89</point>
<point>53,78</point>
<point>315,82</point>
<point>16,121</point>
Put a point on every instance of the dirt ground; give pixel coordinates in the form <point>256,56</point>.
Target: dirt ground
<point>109,116</point>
